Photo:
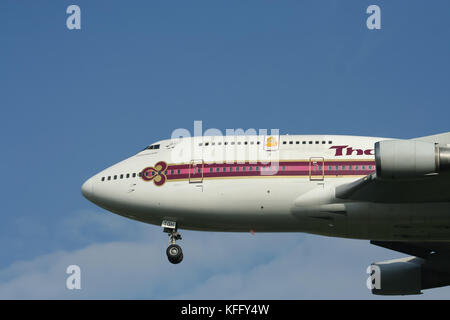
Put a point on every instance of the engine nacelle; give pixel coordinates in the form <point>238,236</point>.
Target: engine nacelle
<point>397,277</point>
<point>407,276</point>
<point>410,159</point>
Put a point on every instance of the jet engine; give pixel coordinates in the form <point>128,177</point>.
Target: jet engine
<point>406,276</point>
<point>410,159</point>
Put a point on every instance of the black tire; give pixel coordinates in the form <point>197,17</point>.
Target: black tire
<point>180,258</point>
<point>174,253</point>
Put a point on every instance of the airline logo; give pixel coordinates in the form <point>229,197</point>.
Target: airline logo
<point>157,174</point>
<point>271,142</point>
<point>349,151</point>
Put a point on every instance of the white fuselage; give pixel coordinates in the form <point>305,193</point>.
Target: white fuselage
<point>261,183</point>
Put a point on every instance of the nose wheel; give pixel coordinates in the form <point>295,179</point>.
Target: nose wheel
<point>174,252</point>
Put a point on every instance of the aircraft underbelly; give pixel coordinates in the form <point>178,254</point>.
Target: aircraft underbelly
<point>267,205</point>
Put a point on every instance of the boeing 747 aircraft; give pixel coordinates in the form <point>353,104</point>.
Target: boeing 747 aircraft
<point>392,192</point>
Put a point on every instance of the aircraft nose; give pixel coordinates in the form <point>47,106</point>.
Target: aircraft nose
<point>87,189</point>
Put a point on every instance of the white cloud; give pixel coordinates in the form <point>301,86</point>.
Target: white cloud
<point>216,266</point>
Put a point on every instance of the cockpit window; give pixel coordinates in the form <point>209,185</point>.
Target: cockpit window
<point>152,147</point>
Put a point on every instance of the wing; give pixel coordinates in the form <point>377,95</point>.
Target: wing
<point>433,188</point>
<point>419,249</point>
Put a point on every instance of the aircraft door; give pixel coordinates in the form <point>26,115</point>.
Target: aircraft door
<point>196,171</point>
<point>316,169</point>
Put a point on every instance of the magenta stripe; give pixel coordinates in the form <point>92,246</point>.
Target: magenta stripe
<point>285,168</point>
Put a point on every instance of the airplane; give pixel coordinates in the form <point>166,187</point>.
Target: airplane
<point>393,192</point>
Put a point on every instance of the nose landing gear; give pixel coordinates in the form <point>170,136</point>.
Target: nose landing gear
<point>174,252</point>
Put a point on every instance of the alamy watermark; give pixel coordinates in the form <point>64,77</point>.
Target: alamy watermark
<point>73,281</point>
<point>373,22</point>
<point>252,146</point>
<point>374,279</point>
<point>73,21</point>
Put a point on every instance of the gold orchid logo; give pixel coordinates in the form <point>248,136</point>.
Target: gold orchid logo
<point>157,174</point>
<point>271,142</point>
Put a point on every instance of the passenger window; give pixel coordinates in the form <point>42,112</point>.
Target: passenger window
<point>103,178</point>
<point>109,178</point>
<point>121,176</point>
<point>115,177</point>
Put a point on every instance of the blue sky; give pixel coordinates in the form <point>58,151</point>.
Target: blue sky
<point>75,102</point>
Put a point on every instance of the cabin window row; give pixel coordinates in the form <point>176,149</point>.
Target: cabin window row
<point>229,143</point>
<point>121,176</point>
<point>308,142</point>
<point>206,144</point>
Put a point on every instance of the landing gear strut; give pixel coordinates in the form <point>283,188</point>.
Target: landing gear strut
<point>174,252</point>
